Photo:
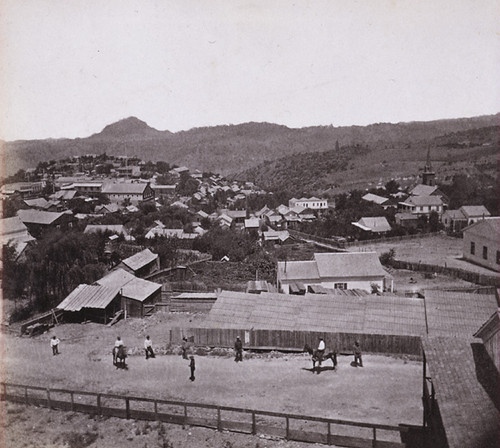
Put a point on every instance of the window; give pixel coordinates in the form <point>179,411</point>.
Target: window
<point>485,252</point>
<point>472,248</point>
<point>340,286</point>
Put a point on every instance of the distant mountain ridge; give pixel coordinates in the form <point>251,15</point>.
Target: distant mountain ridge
<point>128,127</point>
<point>230,149</point>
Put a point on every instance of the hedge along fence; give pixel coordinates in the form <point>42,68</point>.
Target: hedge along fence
<point>472,277</point>
<point>296,340</point>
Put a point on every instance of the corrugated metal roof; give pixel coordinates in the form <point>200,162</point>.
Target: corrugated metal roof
<point>140,259</point>
<point>88,296</point>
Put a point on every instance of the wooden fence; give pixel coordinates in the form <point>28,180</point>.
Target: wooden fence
<point>288,426</point>
<point>296,340</point>
<point>341,243</point>
<point>472,277</point>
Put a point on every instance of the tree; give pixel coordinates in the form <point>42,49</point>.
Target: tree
<point>434,221</point>
<point>392,187</point>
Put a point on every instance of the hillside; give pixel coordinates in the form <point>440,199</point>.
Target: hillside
<point>472,152</point>
<point>232,148</point>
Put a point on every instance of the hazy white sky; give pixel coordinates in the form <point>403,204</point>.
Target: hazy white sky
<point>69,67</point>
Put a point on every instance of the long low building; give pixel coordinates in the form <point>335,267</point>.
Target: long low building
<point>344,311</point>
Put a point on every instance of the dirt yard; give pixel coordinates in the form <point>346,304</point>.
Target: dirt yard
<point>441,250</point>
<point>386,390</point>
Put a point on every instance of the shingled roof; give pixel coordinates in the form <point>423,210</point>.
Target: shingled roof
<point>358,312</point>
<point>461,376</point>
<point>457,313</point>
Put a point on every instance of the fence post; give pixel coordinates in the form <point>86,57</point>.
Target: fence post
<point>374,442</point>
<point>99,408</point>
<point>287,436</point>
<point>127,408</point>
<point>48,399</point>
<point>72,401</point>
<point>254,424</point>
<point>185,413</point>
<point>156,410</point>
<point>26,395</point>
<point>219,424</point>
<point>329,436</point>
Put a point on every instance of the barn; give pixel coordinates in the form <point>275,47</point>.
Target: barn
<point>117,291</point>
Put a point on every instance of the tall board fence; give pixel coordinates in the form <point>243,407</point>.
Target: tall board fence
<point>472,277</point>
<point>296,340</point>
<point>250,421</point>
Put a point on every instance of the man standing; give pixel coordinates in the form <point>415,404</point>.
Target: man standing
<point>118,344</point>
<point>238,348</point>
<point>184,347</point>
<point>148,347</point>
<point>192,367</point>
<point>357,354</point>
<point>54,343</point>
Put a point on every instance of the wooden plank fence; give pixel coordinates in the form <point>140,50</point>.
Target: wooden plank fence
<point>296,340</point>
<point>472,277</point>
<point>250,421</point>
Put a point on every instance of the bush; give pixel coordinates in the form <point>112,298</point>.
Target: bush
<point>387,257</point>
<point>79,440</point>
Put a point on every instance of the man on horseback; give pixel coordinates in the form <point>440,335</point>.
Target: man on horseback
<point>320,352</point>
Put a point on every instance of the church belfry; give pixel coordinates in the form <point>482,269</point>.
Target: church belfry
<point>428,176</point>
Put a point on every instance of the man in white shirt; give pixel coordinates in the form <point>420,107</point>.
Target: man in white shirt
<point>54,343</point>
<point>148,347</point>
<point>321,348</point>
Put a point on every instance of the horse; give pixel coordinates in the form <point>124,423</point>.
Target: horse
<point>317,357</point>
<point>119,357</point>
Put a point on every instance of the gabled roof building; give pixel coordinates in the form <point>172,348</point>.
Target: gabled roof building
<point>347,270</point>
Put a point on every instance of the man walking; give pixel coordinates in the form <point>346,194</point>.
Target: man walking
<point>238,348</point>
<point>54,343</point>
<point>357,354</point>
<point>148,347</point>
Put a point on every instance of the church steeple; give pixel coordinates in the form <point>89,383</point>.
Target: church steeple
<point>428,176</point>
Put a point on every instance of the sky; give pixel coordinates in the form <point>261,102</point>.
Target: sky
<point>70,67</point>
